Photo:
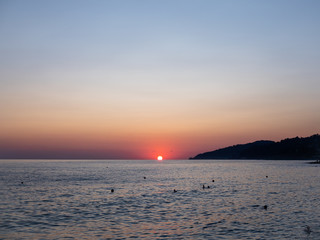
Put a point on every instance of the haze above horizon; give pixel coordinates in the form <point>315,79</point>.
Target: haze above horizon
<point>141,79</point>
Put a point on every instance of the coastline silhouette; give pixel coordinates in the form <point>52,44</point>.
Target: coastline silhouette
<point>287,149</point>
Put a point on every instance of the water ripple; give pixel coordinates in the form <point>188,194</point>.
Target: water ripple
<point>72,200</point>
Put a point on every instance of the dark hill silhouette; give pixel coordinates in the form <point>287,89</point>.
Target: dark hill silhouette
<point>287,149</point>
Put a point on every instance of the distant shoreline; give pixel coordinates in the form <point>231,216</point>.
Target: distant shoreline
<point>288,149</point>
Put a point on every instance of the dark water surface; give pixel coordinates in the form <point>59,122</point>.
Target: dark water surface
<point>73,200</point>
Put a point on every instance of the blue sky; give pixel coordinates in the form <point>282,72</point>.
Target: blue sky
<point>213,72</point>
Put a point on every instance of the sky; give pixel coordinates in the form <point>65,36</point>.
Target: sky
<point>137,79</point>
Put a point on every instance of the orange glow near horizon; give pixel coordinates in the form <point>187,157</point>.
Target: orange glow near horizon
<point>160,158</point>
<point>99,129</point>
<point>86,144</point>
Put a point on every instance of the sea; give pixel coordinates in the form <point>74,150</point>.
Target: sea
<point>181,199</point>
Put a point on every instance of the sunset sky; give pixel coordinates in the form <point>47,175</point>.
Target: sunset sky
<point>136,79</point>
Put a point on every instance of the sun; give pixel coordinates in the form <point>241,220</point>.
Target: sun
<point>159,158</point>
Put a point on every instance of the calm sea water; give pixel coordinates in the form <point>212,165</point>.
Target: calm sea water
<point>73,200</point>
